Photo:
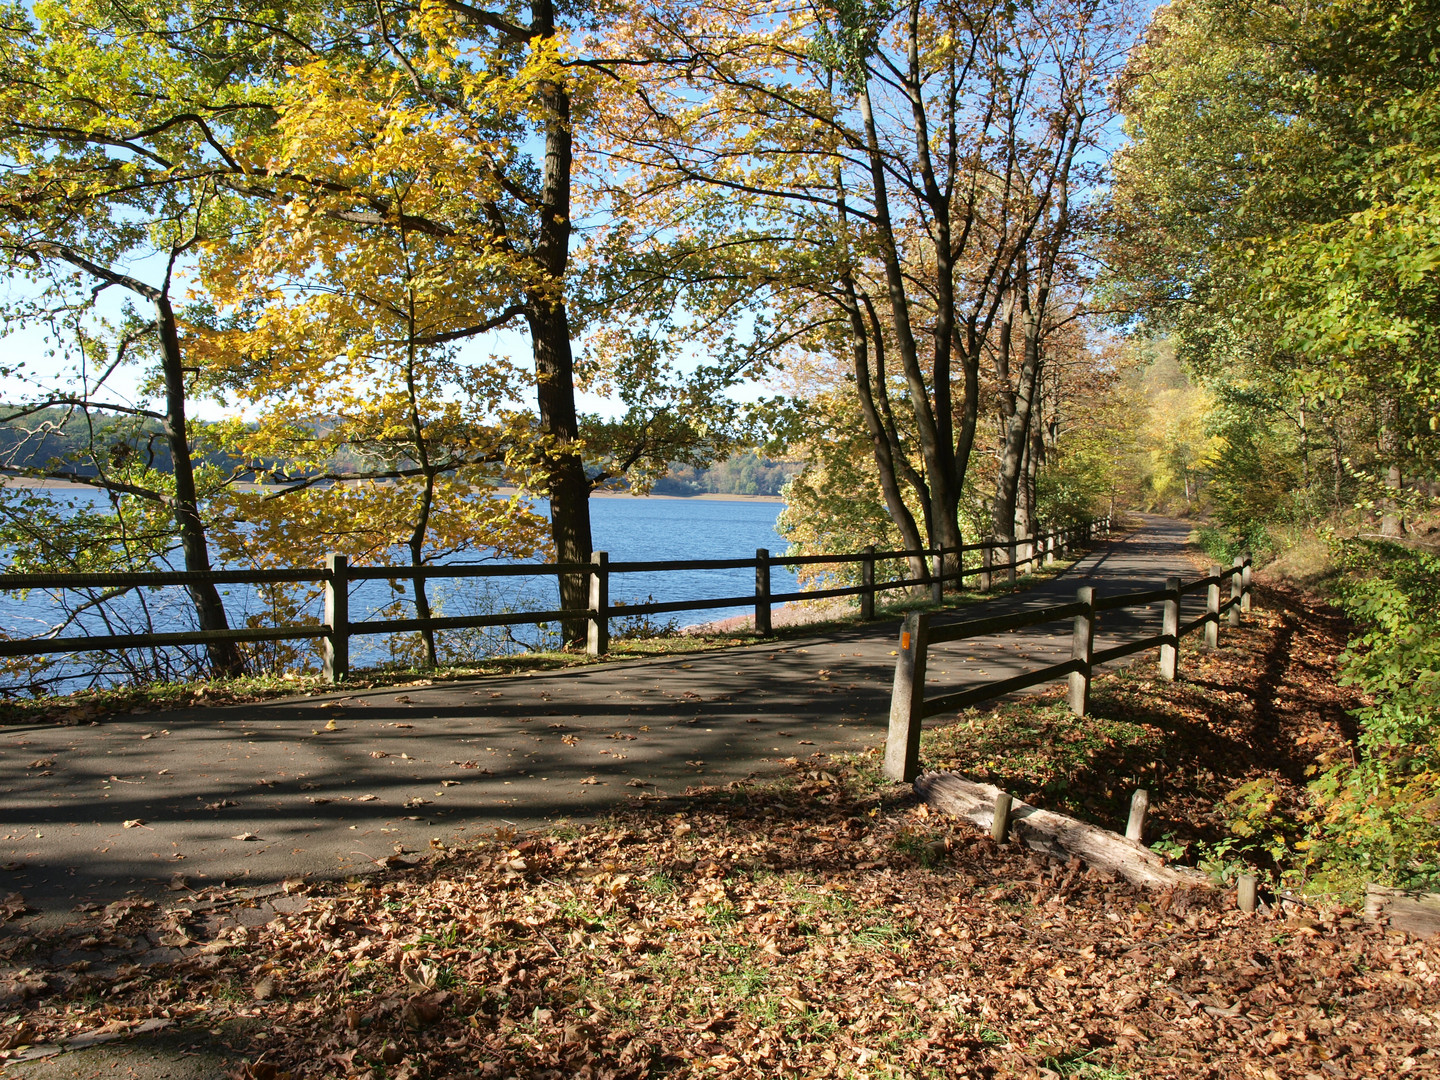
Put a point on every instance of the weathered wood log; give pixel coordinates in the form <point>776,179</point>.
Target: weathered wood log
<point>1415,912</point>
<point>1055,834</point>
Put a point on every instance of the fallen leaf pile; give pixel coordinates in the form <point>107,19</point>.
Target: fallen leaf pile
<point>822,925</point>
<point>1264,707</point>
<point>811,928</point>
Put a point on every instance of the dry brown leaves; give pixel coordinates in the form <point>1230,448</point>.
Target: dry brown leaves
<point>788,931</point>
<point>815,928</point>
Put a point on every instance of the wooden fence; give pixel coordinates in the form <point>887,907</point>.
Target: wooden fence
<point>909,706</point>
<point>337,575</point>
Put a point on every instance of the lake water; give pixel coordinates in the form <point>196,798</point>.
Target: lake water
<point>629,529</point>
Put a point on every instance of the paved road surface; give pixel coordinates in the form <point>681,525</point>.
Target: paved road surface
<point>252,794</point>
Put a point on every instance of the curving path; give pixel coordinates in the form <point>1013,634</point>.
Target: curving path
<point>253,794</point>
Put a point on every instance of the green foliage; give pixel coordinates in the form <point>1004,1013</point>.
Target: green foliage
<point>1276,213</point>
<point>1252,812</point>
<point>1223,545</point>
<point>1382,811</point>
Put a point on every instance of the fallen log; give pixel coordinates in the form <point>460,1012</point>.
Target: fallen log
<point>1415,912</point>
<point>1055,834</point>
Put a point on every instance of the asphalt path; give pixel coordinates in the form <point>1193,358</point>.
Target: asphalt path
<point>332,784</point>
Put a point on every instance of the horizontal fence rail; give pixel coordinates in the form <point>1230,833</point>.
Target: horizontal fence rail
<point>909,706</point>
<point>942,566</point>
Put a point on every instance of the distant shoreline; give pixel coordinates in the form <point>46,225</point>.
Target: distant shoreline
<point>31,483</point>
<point>710,496</point>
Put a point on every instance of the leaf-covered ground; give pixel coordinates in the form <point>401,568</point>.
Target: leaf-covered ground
<point>824,926</point>
<point>1231,745</point>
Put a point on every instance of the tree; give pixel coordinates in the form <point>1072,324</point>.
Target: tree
<point>469,157</point>
<point>339,324</point>
<point>108,177</point>
<point>881,168</point>
<point>1275,211</point>
<point>470,113</point>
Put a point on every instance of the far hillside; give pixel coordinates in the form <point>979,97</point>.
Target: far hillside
<point>744,474</point>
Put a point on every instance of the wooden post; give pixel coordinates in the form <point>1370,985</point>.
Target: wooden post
<point>987,560</point>
<point>1247,888</point>
<point>1135,827</point>
<point>867,581</point>
<point>937,581</point>
<point>1014,553</point>
<point>1245,586</point>
<point>335,646</point>
<point>762,592</point>
<point>597,636</point>
<point>1212,609</point>
<point>1049,549</point>
<point>1170,647</point>
<point>902,743</point>
<point>1000,827</point>
<point>1235,589</point>
<point>1082,645</point>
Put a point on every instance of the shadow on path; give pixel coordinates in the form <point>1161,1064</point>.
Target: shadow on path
<point>325,785</point>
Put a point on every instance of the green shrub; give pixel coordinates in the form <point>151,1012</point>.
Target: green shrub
<point>1381,811</point>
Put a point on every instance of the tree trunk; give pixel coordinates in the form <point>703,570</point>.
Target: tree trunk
<point>1392,523</point>
<point>421,446</point>
<point>1337,463</point>
<point>422,597</point>
<point>880,437</point>
<point>223,656</point>
<point>1304,450</point>
<point>550,338</point>
<point>936,451</point>
<point>1016,443</point>
<point>1027,506</point>
<point>569,487</point>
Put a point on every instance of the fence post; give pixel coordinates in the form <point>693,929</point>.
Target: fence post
<point>335,646</point>
<point>1082,647</point>
<point>1245,587</point>
<point>987,560</point>
<point>1212,608</point>
<point>867,581</point>
<point>1049,549</point>
<point>937,582</point>
<point>902,742</point>
<point>1235,589</point>
<point>1170,647</point>
<point>597,636</point>
<point>1135,827</point>
<point>1000,823</point>
<point>762,592</point>
<point>1247,893</point>
<point>1014,553</point>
